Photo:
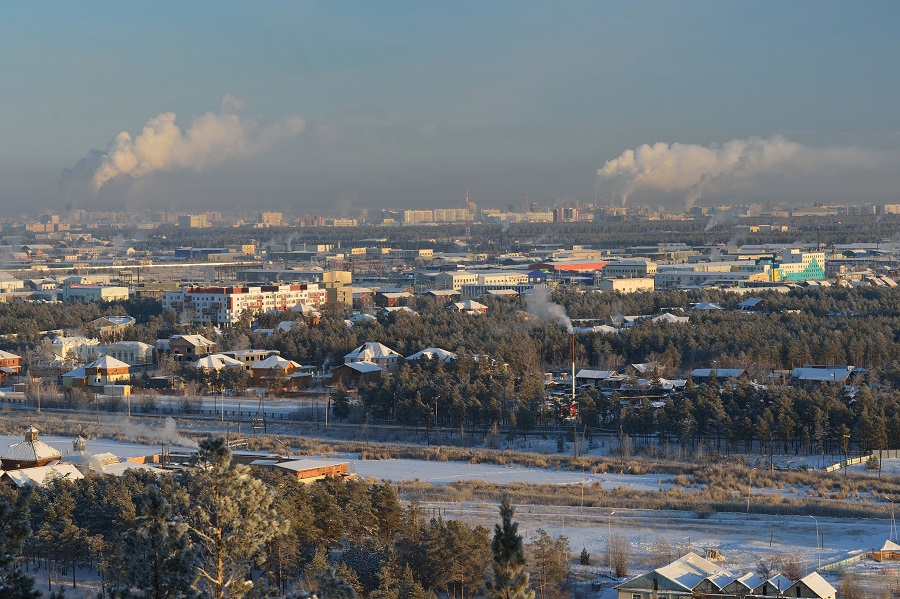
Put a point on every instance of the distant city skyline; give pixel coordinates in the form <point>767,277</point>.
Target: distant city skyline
<point>307,107</point>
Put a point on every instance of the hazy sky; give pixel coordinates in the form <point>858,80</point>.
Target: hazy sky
<point>361,104</point>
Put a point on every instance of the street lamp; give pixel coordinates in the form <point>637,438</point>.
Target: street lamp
<point>609,549</point>
<point>818,546</point>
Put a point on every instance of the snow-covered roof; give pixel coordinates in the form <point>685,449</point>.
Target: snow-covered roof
<point>820,374</point>
<point>689,570</point>
<point>404,309</point>
<point>360,318</point>
<point>31,449</point>
<point>469,306</point>
<point>120,468</point>
<point>78,373</point>
<point>780,582</point>
<point>139,345</point>
<point>722,373</point>
<point>706,306</point>
<point>433,353</point>
<point>5,355</point>
<point>120,320</point>
<point>308,464</point>
<point>305,309</point>
<point>818,585</point>
<point>41,475</point>
<point>372,350</point>
<point>364,367</point>
<point>603,329</point>
<point>107,363</point>
<point>666,317</point>
<point>586,373</point>
<point>195,340</point>
<point>750,580</point>
<point>217,362</point>
<point>286,325</point>
<point>274,361</point>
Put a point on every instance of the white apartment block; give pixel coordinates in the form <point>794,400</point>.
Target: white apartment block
<point>495,279</point>
<point>225,305</point>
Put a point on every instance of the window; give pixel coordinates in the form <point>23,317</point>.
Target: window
<point>636,596</point>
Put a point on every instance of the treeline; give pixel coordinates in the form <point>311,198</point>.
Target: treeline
<point>224,530</point>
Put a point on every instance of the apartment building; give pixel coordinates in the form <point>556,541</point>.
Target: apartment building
<point>226,305</point>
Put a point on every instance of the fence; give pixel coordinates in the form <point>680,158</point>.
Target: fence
<point>881,454</point>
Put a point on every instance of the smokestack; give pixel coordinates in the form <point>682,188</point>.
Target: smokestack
<point>573,367</point>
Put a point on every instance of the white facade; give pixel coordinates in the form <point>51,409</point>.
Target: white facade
<point>225,305</point>
<point>627,285</point>
<point>81,348</point>
<point>131,352</point>
<point>94,293</point>
<point>495,279</point>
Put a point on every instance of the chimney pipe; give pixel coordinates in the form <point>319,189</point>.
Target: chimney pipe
<point>573,367</point>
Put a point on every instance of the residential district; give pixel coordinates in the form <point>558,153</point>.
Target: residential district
<point>743,363</point>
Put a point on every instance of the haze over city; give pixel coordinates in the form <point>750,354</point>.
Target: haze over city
<point>309,107</point>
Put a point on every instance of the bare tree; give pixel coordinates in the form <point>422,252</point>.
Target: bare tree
<point>618,554</point>
<point>851,589</point>
<point>661,552</point>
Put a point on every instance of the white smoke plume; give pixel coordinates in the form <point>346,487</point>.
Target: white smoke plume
<point>719,217</point>
<point>695,170</point>
<point>210,139</point>
<point>538,303</point>
<point>141,433</point>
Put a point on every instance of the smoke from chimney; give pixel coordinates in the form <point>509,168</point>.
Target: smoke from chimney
<point>694,170</point>
<point>210,139</point>
<point>538,303</point>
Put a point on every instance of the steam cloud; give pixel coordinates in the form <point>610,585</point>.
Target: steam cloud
<point>211,139</point>
<point>695,170</point>
<point>538,303</point>
<point>139,433</point>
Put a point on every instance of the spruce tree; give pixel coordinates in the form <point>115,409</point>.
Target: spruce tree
<point>510,578</point>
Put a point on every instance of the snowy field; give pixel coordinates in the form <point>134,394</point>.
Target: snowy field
<point>442,473</point>
<point>743,541</point>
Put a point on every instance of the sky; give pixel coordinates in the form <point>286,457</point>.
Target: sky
<point>309,107</point>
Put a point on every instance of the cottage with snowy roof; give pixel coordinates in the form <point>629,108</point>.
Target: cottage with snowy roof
<point>694,576</point>
<point>280,374</point>
<point>376,353</point>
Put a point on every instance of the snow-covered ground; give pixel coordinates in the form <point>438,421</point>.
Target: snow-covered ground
<point>743,541</point>
<point>441,473</point>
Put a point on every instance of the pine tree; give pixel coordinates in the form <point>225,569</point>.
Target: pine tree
<point>340,402</point>
<point>231,518</point>
<point>159,559</point>
<point>14,530</point>
<point>510,579</point>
